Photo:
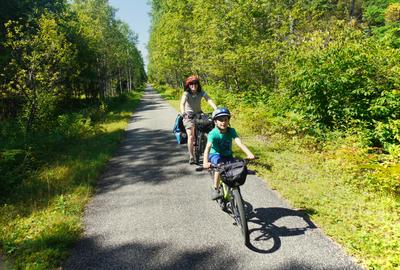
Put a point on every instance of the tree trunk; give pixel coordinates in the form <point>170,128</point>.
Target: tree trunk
<point>32,115</point>
<point>120,81</point>
<point>352,7</point>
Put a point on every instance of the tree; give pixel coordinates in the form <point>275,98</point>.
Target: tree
<point>38,65</point>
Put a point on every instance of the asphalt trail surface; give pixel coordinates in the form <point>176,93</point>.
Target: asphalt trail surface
<point>152,211</point>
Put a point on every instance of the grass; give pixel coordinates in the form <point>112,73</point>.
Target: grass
<point>41,220</point>
<point>364,222</point>
<point>347,189</point>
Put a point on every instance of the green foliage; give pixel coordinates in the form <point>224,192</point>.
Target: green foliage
<point>375,16</point>
<point>325,79</point>
<point>59,51</point>
<point>392,13</point>
<point>15,164</point>
<point>109,59</point>
<point>40,62</point>
<point>73,126</point>
<point>388,132</point>
<point>46,180</point>
<point>390,35</point>
<point>169,93</point>
<point>350,191</point>
<point>291,58</point>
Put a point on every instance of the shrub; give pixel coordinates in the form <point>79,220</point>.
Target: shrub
<point>339,79</point>
<point>392,13</point>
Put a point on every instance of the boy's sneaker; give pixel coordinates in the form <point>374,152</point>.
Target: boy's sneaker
<point>215,194</point>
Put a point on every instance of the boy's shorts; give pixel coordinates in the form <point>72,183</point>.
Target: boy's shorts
<point>216,159</point>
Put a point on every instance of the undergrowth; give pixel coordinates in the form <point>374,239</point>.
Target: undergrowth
<point>47,178</point>
<point>351,190</point>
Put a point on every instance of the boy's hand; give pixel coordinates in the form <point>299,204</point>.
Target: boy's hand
<point>206,165</point>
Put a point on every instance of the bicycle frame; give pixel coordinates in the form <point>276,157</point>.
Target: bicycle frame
<point>232,200</point>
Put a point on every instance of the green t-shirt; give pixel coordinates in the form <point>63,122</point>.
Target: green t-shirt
<point>221,143</point>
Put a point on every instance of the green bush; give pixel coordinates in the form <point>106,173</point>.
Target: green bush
<point>73,125</point>
<point>374,15</point>
<point>168,92</point>
<point>339,80</point>
<point>15,164</point>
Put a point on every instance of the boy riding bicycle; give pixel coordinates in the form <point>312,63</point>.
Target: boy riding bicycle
<point>219,146</point>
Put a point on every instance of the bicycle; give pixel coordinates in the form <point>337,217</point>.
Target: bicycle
<point>231,200</point>
<point>203,125</point>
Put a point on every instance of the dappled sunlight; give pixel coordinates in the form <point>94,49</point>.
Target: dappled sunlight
<point>42,232</point>
<point>57,178</point>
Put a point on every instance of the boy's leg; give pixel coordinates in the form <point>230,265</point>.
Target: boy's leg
<point>215,194</point>
<point>216,180</point>
<point>217,159</point>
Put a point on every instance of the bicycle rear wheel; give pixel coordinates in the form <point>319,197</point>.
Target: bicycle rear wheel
<point>239,214</point>
<point>201,140</point>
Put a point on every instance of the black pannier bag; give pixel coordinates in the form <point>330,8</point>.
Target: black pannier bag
<point>204,123</point>
<point>234,174</point>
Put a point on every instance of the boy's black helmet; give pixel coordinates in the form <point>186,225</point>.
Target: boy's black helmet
<point>221,112</point>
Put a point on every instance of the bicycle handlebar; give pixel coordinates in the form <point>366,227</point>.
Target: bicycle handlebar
<point>212,166</point>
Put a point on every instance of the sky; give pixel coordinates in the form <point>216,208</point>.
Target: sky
<point>136,14</point>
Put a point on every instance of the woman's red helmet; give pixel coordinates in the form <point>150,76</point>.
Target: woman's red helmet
<point>190,80</point>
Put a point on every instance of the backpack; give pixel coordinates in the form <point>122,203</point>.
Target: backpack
<point>179,130</point>
<point>234,174</point>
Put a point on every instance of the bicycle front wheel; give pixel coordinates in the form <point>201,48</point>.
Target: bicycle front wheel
<point>239,214</point>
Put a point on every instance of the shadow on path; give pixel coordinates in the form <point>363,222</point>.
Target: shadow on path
<point>266,231</point>
<point>163,256</point>
<point>139,159</point>
<point>150,256</point>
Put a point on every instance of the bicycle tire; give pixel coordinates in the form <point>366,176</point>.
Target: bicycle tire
<point>239,214</point>
<point>203,142</point>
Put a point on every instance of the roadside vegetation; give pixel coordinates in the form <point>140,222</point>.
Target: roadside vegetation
<point>70,78</point>
<point>47,179</point>
<point>314,89</point>
<point>343,185</point>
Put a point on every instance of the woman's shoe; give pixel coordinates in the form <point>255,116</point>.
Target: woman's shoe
<point>192,161</point>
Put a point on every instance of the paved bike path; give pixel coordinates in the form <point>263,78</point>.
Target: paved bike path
<point>152,211</point>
